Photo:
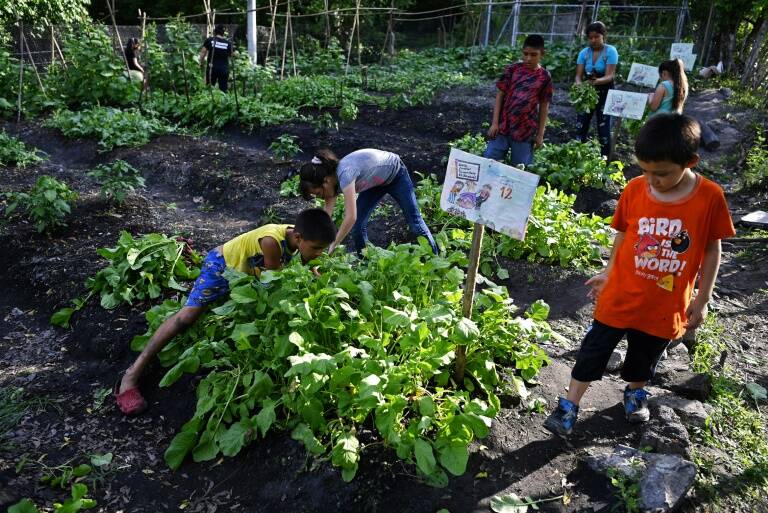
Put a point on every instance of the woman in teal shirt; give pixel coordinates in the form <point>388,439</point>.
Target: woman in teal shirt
<point>671,93</point>
<point>596,64</point>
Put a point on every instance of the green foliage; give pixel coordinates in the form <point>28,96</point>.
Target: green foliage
<point>324,356</point>
<point>474,144</point>
<point>46,204</point>
<point>117,180</point>
<point>139,269</point>
<point>572,165</point>
<point>285,147</point>
<point>15,153</point>
<point>290,187</point>
<point>96,74</point>
<point>111,127</point>
<point>756,172</point>
<point>555,234</point>
<point>43,13</point>
<point>627,486</point>
<point>13,407</point>
<point>583,97</point>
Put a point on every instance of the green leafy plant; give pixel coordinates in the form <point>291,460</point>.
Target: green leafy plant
<point>46,204</point>
<point>117,180</point>
<point>325,356</point>
<point>756,172</point>
<point>139,269</point>
<point>474,144</point>
<point>572,165</point>
<point>626,485</point>
<point>78,501</point>
<point>15,153</point>
<point>111,127</point>
<point>285,147</point>
<point>583,97</point>
<point>290,187</point>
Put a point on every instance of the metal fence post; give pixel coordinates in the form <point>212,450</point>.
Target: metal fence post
<point>552,26</point>
<point>488,11</point>
<point>595,10</point>
<point>680,20</point>
<point>515,23</point>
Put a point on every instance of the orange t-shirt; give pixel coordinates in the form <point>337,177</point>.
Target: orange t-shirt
<point>650,284</point>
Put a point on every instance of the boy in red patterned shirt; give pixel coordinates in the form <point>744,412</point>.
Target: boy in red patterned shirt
<point>521,108</point>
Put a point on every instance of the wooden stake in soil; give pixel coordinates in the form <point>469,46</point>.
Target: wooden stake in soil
<point>21,70</point>
<point>61,55</point>
<point>186,83</point>
<point>285,40</point>
<point>469,296</point>
<point>273,12</point>
<point>293,47</point>
<point>119,40</point>
<point>34,67</point>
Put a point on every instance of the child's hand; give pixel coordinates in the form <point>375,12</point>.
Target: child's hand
<point>315,271</point>
<point>696,313</point>
<point>596,284</point>
<point>493,131</point>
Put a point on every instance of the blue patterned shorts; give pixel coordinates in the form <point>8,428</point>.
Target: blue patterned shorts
<point>211,284</point>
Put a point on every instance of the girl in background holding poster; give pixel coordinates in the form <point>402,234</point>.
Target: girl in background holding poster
<point>672,91</point>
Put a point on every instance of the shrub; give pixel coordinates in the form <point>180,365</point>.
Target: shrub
<point>756,172</point>
<point>15,153</point>
<point>46,204</point>
<point>117,180</point>
<point>285,147</point>
<point>572,165</point>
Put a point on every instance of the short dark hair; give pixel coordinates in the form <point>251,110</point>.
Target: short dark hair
<point>218,30</point>
<point>534,41</point>
<point>668,137</point>
<point>314,224</point>
<point>597,26</point>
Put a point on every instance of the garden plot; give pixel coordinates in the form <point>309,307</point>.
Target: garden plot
<point>213,188</point>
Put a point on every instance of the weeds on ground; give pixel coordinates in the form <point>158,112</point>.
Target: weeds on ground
<point>117,180</point>
<point>15,153</point>
<point>626,487</point>
<point>77,501</point>
<point>46,204</point>
<point>736,426</point>
<point>13,407</point>
<point>285,147</point>
<point>756,171</point>
<point>290,187</point>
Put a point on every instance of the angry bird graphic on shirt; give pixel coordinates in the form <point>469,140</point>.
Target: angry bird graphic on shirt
<point>680,241</point>
<point>647,247</point>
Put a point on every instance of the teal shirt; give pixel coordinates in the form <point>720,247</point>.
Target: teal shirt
<point>666,103</point>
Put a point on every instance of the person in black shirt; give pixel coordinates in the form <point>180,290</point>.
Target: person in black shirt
<point>214,55</point>
<point>132,57</point>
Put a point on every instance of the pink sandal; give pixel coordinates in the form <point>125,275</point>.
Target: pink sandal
<point>131,401</point>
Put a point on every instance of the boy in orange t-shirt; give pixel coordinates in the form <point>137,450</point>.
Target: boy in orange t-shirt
<point>670,221</point>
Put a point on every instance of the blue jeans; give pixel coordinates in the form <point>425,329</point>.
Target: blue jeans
<point>603,124</point>
<point>401,189</point>
<point>521,152</point>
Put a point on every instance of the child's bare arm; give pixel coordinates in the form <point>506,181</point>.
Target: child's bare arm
<point>270,248</point>
<point>697,310</point>
<point>543,113</point>
<point>494,130</point>
<point>597,282</point>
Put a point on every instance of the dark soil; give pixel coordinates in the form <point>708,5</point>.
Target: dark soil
<point>215,187</point>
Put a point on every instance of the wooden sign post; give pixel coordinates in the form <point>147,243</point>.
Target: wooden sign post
<point>468,299</point>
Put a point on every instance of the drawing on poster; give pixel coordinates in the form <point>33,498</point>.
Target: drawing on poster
<point>680,49</point>
<point>644,75</point>
<point>625,104</point>
<point>689,59</point>
<point>489,193</point>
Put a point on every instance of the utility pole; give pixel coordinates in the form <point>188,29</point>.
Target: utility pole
<point>253,29</point>
<point>488,11</point>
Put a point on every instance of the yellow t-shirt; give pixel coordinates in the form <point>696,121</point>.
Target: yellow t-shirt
<point>244,251</point>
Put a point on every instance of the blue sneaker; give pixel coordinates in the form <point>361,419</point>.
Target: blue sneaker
<point>561,421</point>
<point>636,405</point>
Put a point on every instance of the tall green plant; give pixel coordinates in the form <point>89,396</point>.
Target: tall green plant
<point>46,204</point>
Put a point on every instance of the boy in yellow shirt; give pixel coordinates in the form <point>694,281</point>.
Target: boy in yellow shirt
<point>268,247</point>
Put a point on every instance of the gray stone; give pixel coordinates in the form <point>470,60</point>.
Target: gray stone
<point>691,412</point>
<point>616,360</point>
<point>665,434</point>
<point>727,92</point>
<point>664,478</point>
<point>688,384</point>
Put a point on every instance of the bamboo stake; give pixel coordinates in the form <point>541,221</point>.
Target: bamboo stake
<point>21,71</point>
<point>271,30</point>
<point>53,49</point>
<point>285,41</point>
<point>293,47</point>
<point>119,40</point>
<point>359,42</point>
<point>351,39</point>
<point>186,83</point>
<point>143,24</point>
<point>61,55</point>
<point>34,67</point>
<point>327,26</point>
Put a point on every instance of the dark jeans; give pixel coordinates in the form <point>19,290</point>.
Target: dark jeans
<point>603,124</point>
<point>218,75</point>
<point>401,189</point>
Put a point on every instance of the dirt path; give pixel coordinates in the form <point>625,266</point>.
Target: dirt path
<point>216,187</point>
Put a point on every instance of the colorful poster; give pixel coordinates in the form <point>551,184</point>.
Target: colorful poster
<point>689,59</point>
<point>624,104</point>
<point>644,75</point>
<point>489,193</point>
<point>680,48</point>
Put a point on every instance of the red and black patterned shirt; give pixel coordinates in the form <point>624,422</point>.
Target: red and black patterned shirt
<point>524,89</point>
